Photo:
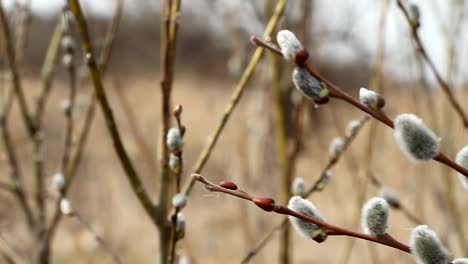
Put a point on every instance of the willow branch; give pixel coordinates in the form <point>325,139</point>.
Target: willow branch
<point>442,82</point>
<point>132,175</point>
<point>331,230</point>
<point>336,92</point>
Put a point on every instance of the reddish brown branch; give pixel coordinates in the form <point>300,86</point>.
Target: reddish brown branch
<point>336,92</point>
<point>268,204</point>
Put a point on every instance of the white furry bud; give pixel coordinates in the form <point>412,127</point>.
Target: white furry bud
<point>174,139</point>
<point>179,200</point>
<point>460,261</point>
<point>336,146</point>
<point>68,44</point>
<point>180,225</point>
<point>462,159</point>
<point>66,207</point>
<point>174,163</point>
<point>426,247</point>
<point>288,44</point>
<point>415,139</point>
<point>184,260</point>
<point>323,181</point>
<point>415,14</point>
<point>304,228</point>
<point>298,186</point>
<point>58,182</point>
<point>389,196</point>
<point>308,85</point>
<point>67,60</point>
<point>352,127</point>
<point>374,216</point>
<point>368,97</point>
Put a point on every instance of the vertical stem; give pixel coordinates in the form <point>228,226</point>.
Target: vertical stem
<point>169,28</point>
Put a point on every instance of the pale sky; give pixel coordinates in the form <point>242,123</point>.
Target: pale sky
<point>329,15</point>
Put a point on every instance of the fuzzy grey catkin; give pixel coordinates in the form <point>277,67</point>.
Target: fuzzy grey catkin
<point>298,186</point>
<point>352,127</point>
<point>368,97</point>
<point>304,228</point>
<point>308,85</point>
<point>426,246</point>
<point>179,200</point>
<point>374,218</point>
<point>65,206</point>
<point>414,138</point>
<point>462,159</point>
<point>336,146</point>
<point>289,44</point>
<point>174,139</point>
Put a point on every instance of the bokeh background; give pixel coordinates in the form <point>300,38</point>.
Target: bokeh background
<point>343,38</point>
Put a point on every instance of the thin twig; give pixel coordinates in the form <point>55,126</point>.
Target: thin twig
<point>10,52</point>
<point>132,175</point>
<point>236,96</point>
<point>331,230</point>
<point>97,237</point>
<point>422,50</point>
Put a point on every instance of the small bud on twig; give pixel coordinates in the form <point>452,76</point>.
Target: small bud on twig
<point>309,86</point>
<point>174,139</point>
<point>391,197</point>
<point>66,207</point>
<point>375,216</point>
<point>266,204</point>
<point>179,200</point>
<point>336,147</point>
<point>68,44</point>
<point>180,225</point>
<point>174,163</point>
<point>228,185</point>
<point>426,247</point>
<point>304,228</point>
<point>352,127</point>
<point>415,139</point>
<point>462,159</point>
<point>371,99</point>
<point>415,15</point>
<point>288,44</point>
<point>298,187</point>
<point>323,181</point>
<point>58,182</point>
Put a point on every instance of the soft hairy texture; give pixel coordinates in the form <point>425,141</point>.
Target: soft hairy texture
<point>462,159</point>
<point>336,146</point>
<point>304,228</point>
<point>174,139</point>
<point>368,97</point>
<point>415,139</point>
<point>426,247</point>
<point>179,200</point>
<point>288,44</point>
<point>308,85</point>
<point>352,127</point>
<point>375,216</point>
<point>460,261</point>
<point>298,186</point>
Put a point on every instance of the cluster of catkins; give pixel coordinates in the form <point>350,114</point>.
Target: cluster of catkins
<point>415,140</point>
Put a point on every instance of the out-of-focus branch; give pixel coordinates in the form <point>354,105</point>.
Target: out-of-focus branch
<point>422,50</point>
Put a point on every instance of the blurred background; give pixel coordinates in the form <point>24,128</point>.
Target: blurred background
<point>352,43</point>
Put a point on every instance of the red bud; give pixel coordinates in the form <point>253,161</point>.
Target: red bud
<point>322,100</point>
<point>266,204</point>
<point>228,185</point>
<point>320,238</point>
<point>380,101</point>
<point>301,56</point>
